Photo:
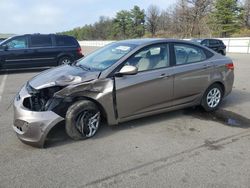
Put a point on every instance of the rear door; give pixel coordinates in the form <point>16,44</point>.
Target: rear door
<point>67,46</point>
<point>151,88</point>
<point>43,52</point>
<point>18,54</point>
<point>191,72</point>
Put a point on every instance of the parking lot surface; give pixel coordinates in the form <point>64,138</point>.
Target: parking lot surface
<point>184,148</point>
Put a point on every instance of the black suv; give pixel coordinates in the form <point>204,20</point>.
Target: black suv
<point>215,44</point>
<point>38,50</point>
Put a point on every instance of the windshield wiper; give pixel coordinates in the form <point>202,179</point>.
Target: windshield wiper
<point>83,67</point>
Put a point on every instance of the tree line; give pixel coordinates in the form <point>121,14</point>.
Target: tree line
<point>184,19</point>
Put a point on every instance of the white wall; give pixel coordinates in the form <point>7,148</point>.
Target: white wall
<point>234,45</point>
<point>237,45</point>
<point>94,42</point>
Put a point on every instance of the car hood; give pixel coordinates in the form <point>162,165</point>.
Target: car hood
<point>62,76</point>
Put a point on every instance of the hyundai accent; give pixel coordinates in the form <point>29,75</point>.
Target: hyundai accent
<point>122,81</point>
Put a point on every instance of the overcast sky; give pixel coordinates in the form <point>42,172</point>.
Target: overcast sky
<point>49,16</point>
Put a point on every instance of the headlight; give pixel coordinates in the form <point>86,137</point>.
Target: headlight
<point>30,89</point>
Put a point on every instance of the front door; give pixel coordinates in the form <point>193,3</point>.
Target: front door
<point>151,88</point>
<point>18,54</point>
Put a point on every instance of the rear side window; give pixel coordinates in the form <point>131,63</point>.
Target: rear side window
<point>65,41</point>
<point>185,54</point>
<point>41,41</point>
<point>204,42</point>
<point>213,42</point>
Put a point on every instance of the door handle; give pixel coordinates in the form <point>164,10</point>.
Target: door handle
<point>205,66</point>
<point>163,75</point>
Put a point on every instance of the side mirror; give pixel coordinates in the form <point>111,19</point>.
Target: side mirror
<point>127,70</point>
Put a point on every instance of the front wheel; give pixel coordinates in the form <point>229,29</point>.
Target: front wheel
<point>82,120</point>
<point>212,98</point>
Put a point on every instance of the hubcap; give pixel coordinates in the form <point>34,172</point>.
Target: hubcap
<point>88,123</point>
<point>213,97</point>
<point>65,61</point>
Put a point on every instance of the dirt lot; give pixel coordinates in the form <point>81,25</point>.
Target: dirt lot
<point>185,148</point>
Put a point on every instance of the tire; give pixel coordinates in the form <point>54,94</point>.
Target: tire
<point>221,52</point>
<point>212,98</point>
<point>65,60</point>
<point>78,120</point>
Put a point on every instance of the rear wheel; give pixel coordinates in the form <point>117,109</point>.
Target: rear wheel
<point>65,60</point>
<point>221,52</point>
<point>212,98</point>
<point>82,120</point>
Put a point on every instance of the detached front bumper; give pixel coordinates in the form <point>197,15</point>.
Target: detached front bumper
<point>32,127</point>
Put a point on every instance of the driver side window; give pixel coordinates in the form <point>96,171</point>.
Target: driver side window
<point>150,58</point>
<point>18,43</point>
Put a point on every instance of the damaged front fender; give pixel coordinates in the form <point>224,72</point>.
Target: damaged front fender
<point>59,98</point>
<point>99,91</point>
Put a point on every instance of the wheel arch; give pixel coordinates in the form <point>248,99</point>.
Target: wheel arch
<point>215,82</point>
<point>43,142</point>
<point>98,104</point>
<point>220,84</point>
<point>62,55</point>
<point>221,51</point>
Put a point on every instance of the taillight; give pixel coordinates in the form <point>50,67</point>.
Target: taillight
<point>79,51</point>
<point>230,66</point>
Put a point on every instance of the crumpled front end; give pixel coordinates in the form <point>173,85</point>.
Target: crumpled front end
<point>33,115</point>
<point>41,104</point>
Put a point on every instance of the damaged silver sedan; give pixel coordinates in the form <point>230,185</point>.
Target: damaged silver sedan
<point>120,82</point>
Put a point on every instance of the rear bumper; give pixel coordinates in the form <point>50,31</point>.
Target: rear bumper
<point>229,83</point>
<point>32,127</point>
<point>224,51</point>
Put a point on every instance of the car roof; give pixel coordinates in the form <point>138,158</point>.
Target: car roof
<point>38,34</point>
<point>146,41</point>
<point>201,39</point>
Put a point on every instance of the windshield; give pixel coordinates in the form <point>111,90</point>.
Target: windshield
<point>3,41</point>
<point>105,57</point>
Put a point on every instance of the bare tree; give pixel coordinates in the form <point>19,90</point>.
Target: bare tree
<point>188,17</point>
<point>152,18</point>
<point>181,19</point>
<point>164,22</point>
<point>199,8</point>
